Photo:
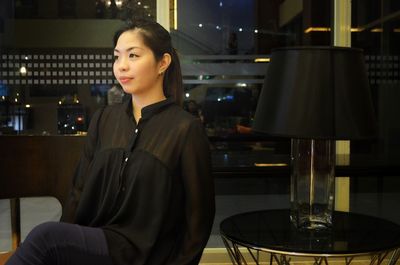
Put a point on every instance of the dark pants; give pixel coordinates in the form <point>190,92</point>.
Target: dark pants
<point>56,243</point>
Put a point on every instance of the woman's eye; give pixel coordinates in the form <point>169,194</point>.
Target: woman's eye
<point>115,57</point>
<point>132,55</point>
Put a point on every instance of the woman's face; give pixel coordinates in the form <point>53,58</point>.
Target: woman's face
<point>135,66</point>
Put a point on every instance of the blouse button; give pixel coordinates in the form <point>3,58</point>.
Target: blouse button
<point>136,130</point>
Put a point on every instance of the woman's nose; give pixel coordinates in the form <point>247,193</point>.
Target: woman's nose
<point>122,64</point>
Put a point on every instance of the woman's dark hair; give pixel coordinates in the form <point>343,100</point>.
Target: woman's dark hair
<point>158,40</point>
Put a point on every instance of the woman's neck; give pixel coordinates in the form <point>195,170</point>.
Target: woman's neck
<point>139,102</point>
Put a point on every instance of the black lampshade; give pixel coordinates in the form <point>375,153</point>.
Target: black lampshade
<point>316,92</point>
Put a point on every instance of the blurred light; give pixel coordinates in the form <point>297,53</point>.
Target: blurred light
<point>187,95</point>
<point>65,125</point>
<point>26,57</point>
<point>117,3</point>
<point>59,102</point>
<point>16,100</point>
<point>396,30</point>
<point>148,15</point>
<point>17,94</point>
<point>22,70</point>
<point>241,84</point>
<point>326,29</point>
<point>240,29</point>
<point>3,97</point>
<point>256,31</point>
<point>139,3</point>
<point>356,29</point>
<point>219,99</point>
<point>270,165</point>
<point>220,4</point>
<point>377,30</point>
<point>218,27</point>
<point>262,60</point>
<point>146,6</point>
<point>73,127</point>
<point>201,77</point>
<point>27,106</point>
<point>200,25</point>
<point>320,29</point>
<point>80,119</point>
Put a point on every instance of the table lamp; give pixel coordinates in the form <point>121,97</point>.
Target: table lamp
<point>315,95</point>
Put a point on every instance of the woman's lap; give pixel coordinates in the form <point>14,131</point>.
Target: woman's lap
<point>62,244</point>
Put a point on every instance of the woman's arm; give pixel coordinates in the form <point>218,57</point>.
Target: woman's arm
<point>199,195</point>
<point>78,181</point>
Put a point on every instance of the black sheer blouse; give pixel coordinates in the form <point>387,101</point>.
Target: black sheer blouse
<point>147,185</point>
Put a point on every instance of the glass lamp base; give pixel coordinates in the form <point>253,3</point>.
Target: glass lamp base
<point>312,183</point>
<point>319,217</point>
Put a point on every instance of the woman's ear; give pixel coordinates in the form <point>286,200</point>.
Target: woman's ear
<point>164,63</point>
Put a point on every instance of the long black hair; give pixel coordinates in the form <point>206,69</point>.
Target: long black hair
<point>158,40</point>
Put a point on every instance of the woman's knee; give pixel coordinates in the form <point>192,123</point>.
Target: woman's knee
<point>35,248</point>
<point>43,233</point>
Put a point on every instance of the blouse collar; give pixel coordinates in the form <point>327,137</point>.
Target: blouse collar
<point>149,110</point>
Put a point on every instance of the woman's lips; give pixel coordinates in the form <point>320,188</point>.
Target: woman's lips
<point>124,80</point>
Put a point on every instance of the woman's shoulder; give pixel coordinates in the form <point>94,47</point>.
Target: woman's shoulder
<point>114,109</point>
<point>180,119</point>
<point>182,115</point>
<point>104,114</point>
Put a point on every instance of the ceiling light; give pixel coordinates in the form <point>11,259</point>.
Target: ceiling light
<point>23,70</point>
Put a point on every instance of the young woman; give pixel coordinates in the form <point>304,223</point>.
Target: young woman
<point>143,191</point>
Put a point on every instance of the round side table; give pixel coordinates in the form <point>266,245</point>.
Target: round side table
<point>271,231</point>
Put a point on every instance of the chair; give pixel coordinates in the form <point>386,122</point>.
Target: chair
<point>34,166</point>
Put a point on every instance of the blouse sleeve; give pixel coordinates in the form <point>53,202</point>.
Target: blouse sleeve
<point>199,195</point>
<point>78,181</point>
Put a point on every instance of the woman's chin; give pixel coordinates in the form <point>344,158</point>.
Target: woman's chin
<point>129,90</point>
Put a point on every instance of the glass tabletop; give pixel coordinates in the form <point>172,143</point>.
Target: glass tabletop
<point>351,233</point>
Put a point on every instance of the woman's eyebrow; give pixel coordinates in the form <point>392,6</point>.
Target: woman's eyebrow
<point>128,49</point>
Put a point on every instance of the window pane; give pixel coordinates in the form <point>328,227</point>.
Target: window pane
<point>225,49</point>
<point>376,28</point>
